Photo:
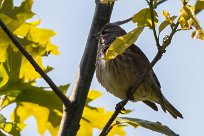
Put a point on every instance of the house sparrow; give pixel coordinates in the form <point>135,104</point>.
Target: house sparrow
<point>120,74</point>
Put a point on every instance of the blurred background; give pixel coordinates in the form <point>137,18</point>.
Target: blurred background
<point>180,71</point>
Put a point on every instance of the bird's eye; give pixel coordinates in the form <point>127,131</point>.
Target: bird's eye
<point>103,32</point>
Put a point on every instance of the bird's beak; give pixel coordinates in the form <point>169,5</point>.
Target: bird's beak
<point>96,36</point>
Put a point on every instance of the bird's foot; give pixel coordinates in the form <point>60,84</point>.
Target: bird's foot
<point>120,107</point>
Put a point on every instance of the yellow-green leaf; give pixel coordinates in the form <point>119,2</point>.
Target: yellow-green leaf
<point>199,6</point>
<point>2,119</point>
<point>49,120</point>
<point>143,18</point>
<point>165,23</point>
<point>198,34</point>
<point>107,1</point>
<point>155,2</point>
<point>167,17</point>
<point>12,128</point>
<point>90,118</point>
<point>35,100</point>
<point>122,43</point>
<point>154,126</point>
<point>3,76</point>
<point>36,40</point>
<point>187,18</point>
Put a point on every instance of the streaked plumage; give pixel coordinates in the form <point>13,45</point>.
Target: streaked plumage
<point>120,74</point>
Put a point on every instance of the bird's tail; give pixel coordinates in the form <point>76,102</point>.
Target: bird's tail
<point>171,109</point>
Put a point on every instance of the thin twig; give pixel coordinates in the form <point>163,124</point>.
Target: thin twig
<point>123,21</point>
<point>153,25</point>
<point>167,41</point>
<point>57,91</point>
<point>159,2</point>
<point>129,19</point>
<point>158,56</point>
<point>124,102</point>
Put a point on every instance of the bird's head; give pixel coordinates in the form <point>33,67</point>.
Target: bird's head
<point>108,34</point>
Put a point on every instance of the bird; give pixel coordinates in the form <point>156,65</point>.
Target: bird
<point>120,74</point>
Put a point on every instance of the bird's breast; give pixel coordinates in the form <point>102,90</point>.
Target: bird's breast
<point>117,76</point>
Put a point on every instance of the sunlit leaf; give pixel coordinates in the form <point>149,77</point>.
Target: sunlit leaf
<point>154,126</point>
<point>96,118</point>
<point>167,17</point>
<point>165,23</point>
<point>3,75</point>
<point>198,34</point>
<point>155,2</point>
<point>107,1</point>
<point>36,40</point>
<point>12,128</point>
<point>199,6</point>
<point>91,114</point>
<point>34,100</point>
<point>188,18</point>
<point>2,119</point>
<point>122,43</point>
<point>48,69</point>
<point>17,76</point>
<point>64,88</point>
<point>143,18</point>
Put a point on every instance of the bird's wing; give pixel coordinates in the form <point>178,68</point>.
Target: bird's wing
<point>142,62</point>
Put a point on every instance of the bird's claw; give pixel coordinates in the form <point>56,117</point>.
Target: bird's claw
<point>120,107</point>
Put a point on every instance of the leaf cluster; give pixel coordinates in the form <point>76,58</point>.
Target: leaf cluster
<point>18,77</point>
<point>147,19</point>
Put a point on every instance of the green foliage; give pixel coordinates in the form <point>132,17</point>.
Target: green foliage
<point>199,6</point>
<point>143,18</point>
<point>154,126</point>
<point>168,21</point>
<point>122,43</point>
<point>96,117</point>
<point>12,128</point>
<point>188,20</point>
<point>17,76</point>
<point>107,1</point>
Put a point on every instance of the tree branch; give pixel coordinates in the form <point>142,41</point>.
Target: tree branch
<point>70,125</point>
<point>129,19</point>
<point>159,2</point>
<point>153,25</point>
<point>123,21</point>
<point>4,133</point>
<point>158,56</point>
<point>37,68</point>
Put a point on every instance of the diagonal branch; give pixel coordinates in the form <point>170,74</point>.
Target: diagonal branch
<point>153,24</point>
<point>130,18</point>
<point>57,91</point>
<point>70,122</point>
<point>158,56</point>
<point>124,102</point>
<point>123,21</point>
